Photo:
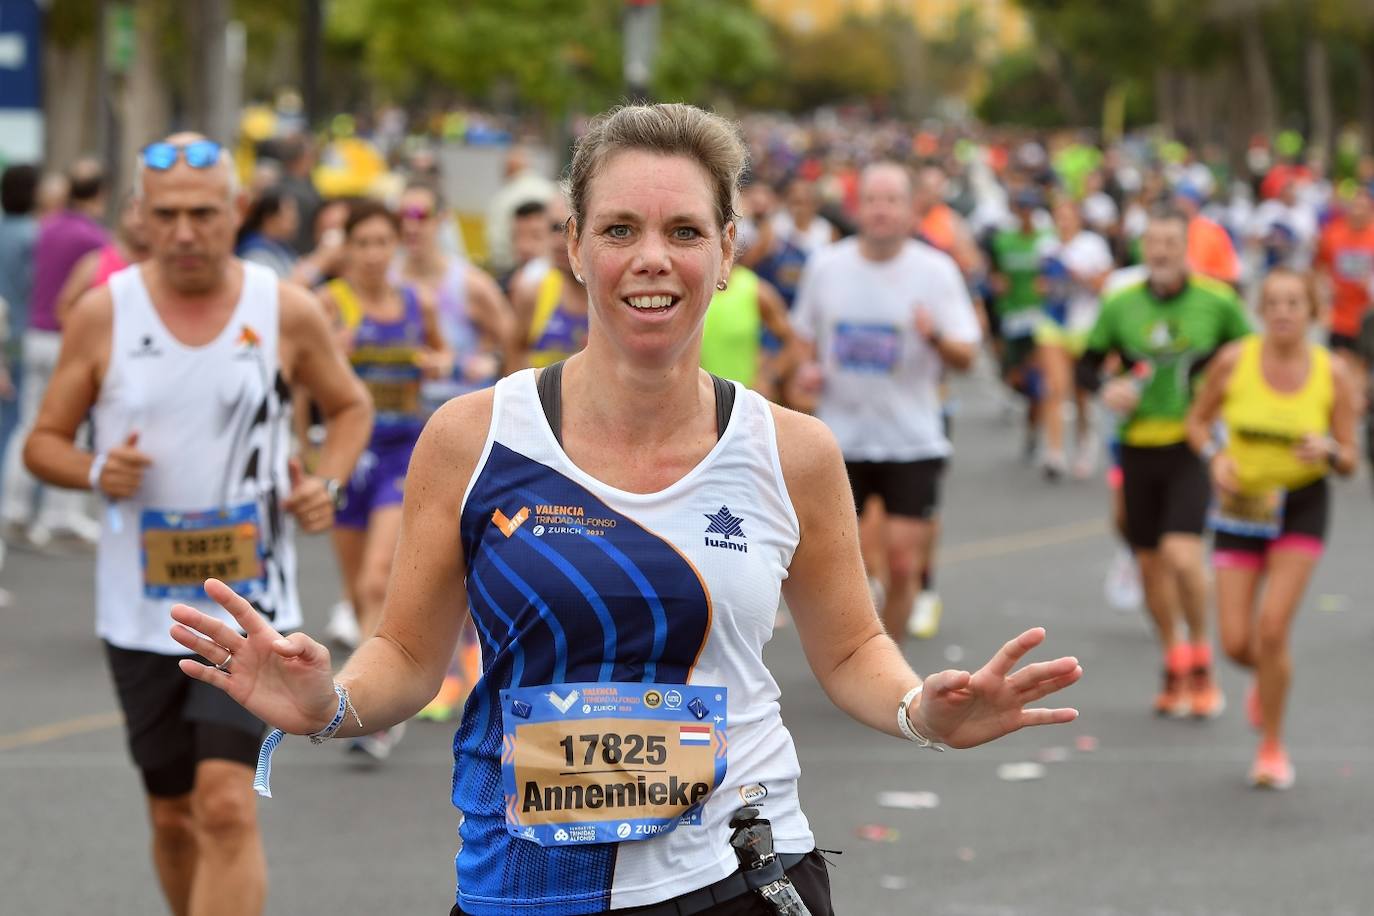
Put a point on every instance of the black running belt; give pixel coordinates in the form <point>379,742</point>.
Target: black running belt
<point>551,398</point>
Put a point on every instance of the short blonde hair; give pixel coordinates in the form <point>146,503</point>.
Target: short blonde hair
<point>670,129</point>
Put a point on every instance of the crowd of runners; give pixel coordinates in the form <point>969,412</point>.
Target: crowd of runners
<point>234,358</point>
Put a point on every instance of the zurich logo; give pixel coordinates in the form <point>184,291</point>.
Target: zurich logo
<point>727,526</point>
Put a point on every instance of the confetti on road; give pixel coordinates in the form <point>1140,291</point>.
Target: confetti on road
<point>1333,603</point>
<point>965,854</point>
<point>911,801</point>
<point>1020,772</point>
<point>1053,754</point>
<point>1085,743</point>
<point>893,883</point>
<point>954,654</point>
<point>878,833</point>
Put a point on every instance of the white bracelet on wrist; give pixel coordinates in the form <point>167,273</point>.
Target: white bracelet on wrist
<point>97,466</point>
<point>913,697</point>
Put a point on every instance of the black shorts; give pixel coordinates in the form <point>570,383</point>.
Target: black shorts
<point>1165,490</point>
<point>907,488</point>
<point>1337,341</point>
<point>173,722</point>
<point>1306,513</point>
<point>809,877</point>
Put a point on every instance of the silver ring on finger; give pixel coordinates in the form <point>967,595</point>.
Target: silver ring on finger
<point>224,665</point>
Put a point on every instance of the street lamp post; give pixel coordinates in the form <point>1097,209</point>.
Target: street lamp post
<point>641,44</point>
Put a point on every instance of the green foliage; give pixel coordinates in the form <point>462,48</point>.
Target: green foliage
<point>547,55</point>
<point>1021,91</point>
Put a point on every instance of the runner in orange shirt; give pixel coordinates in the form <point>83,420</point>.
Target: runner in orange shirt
<point>1210,250</point>
<point>1345,260</point>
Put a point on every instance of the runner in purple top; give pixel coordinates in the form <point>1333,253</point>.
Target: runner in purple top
<point>392,337</point>
<point>63,239</point>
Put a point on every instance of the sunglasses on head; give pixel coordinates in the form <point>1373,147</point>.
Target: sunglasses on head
<point>199,154</point>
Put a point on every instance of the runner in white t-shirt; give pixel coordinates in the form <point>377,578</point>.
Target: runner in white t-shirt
<point>1074,264</point>
<point>885,314</point>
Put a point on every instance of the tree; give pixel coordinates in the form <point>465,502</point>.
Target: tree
<point>546,56</point>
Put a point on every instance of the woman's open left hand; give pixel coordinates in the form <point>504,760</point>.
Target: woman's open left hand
<point>286,681</point>
<point>965,710</point>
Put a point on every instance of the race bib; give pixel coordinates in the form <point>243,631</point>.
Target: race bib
<point>1354,265</point>
<point>609,763</point>
<point>1253,515</point>
<point>392,379</point>
<point>183,549</point>
<point>873,348</point>
<point>394,396</point>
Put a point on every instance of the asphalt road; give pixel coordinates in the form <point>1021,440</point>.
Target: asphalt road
<point>1157,820</point>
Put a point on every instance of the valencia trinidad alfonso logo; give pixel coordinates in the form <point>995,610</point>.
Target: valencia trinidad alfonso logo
<point>727,526</point>
<point>508,526</point>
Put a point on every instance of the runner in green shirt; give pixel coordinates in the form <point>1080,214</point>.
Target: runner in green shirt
<point>1016,256</point>
<point>1165,330</point>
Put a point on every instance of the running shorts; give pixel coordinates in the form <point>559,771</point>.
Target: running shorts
<point>1015,354</point>
<point>1306,512</point>
<point>173,722</point>
<point>729,898</point>
<point>378,481</point>
<point>1050,333</point>
<point>1166,491</point>
<point>907,488</point>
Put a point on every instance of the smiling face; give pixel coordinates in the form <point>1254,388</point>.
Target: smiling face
<point>650,251</point>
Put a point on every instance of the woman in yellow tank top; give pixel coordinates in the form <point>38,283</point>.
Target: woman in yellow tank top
<point>1289,414</point>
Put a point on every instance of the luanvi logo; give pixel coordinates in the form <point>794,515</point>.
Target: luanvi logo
<point>727,526</point>
<point>508,526</point>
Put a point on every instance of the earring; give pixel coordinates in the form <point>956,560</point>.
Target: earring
<point>721,284</point>
<point>578,278</point>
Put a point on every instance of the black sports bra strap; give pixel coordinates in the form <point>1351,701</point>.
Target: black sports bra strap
<point>725,403</point>
<point>550,384</point>
<point>551,397</point>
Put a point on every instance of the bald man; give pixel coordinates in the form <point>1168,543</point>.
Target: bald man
<point>187,362</point>
<point>885,315</point>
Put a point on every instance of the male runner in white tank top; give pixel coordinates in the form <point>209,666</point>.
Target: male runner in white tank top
<point>186,364</point>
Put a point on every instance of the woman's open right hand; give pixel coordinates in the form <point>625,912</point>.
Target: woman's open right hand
<point>286,681</point>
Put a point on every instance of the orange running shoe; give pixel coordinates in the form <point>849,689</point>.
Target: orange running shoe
<point>1172,700</point>
<point>1205,698</point>
<point>1271,769</point>
<point>1253,711</point>
<point>1206,701</point>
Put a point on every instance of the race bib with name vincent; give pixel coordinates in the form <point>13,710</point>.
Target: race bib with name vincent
<point>609,763</point>
<point>183,549</point>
